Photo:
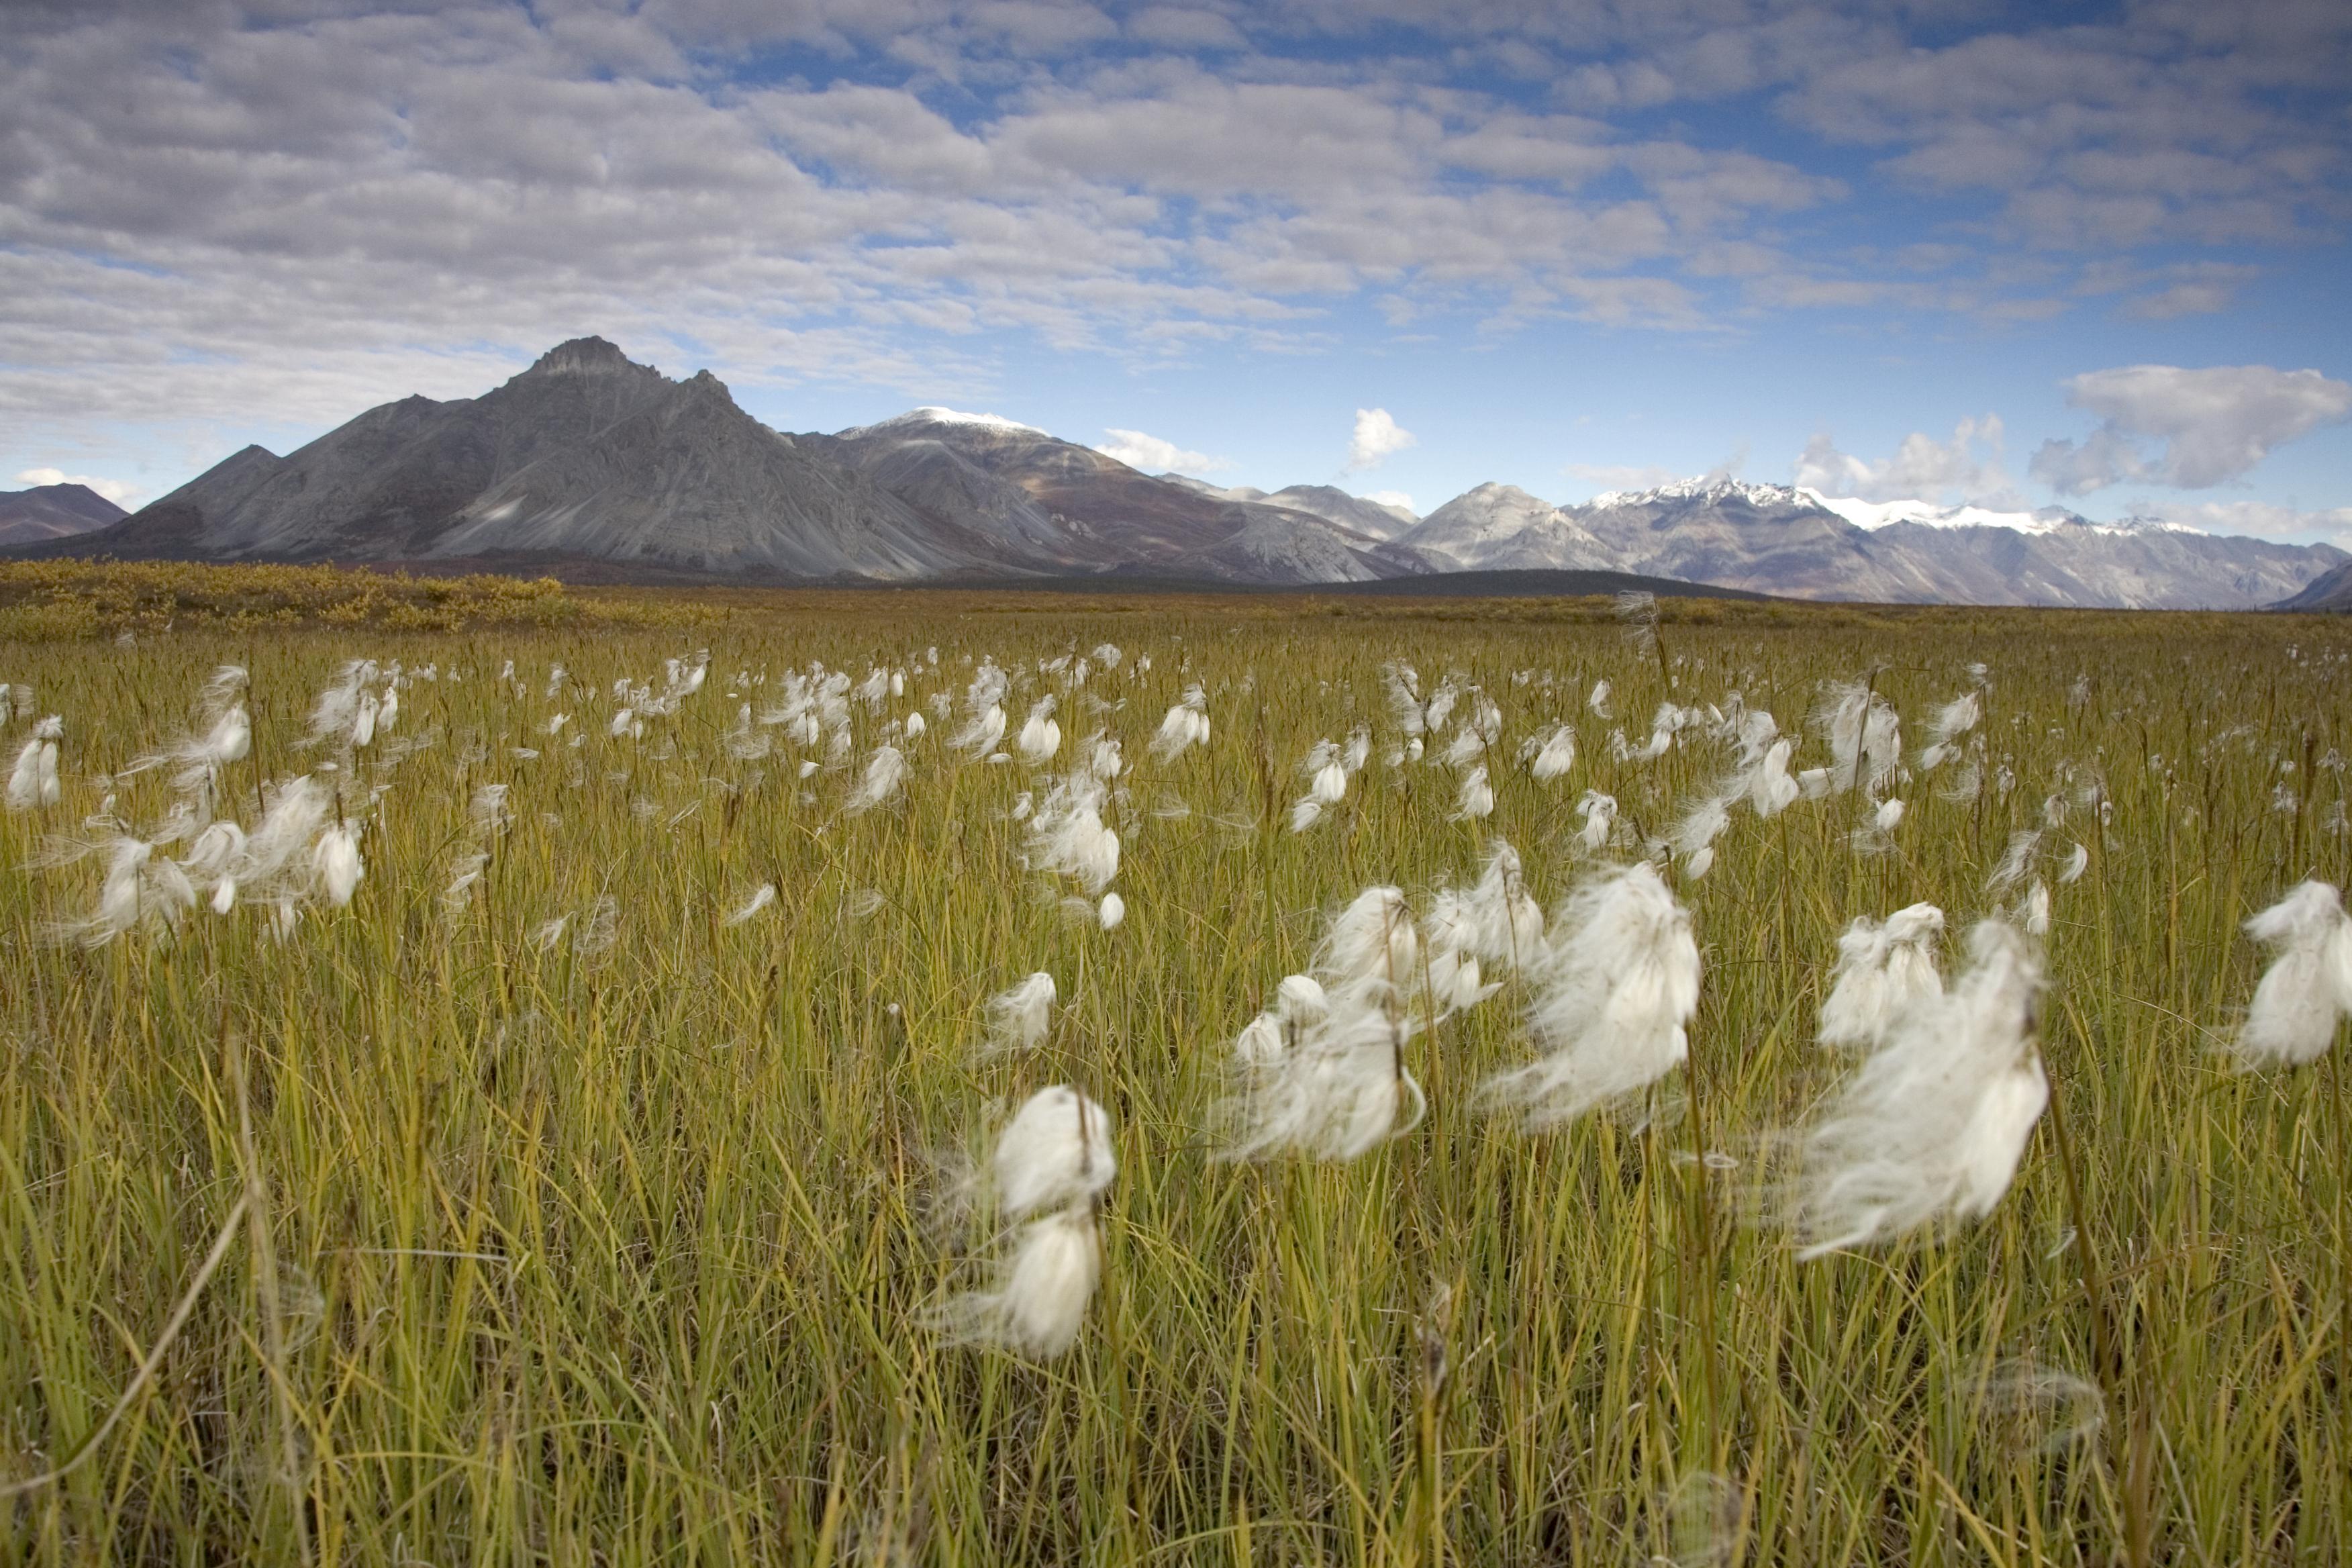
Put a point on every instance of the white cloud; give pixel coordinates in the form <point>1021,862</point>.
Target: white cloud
<point>1154,456</point>
<point>2211,425</point>
<point>115,490</point>
<point>1922,468</point>
<point>1378,437</point>
<point>2155,125</point>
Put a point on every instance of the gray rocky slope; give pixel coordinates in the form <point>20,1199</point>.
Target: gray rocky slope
<point>1048,504</point>
<point>1373,519</point>
<point>588,456</point>
<point>2332,591</point>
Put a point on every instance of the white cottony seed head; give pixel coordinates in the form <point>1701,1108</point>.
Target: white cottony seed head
<point>1613,993</point>
<point>2307,987</point>
<point>1881,969</point>
<point>1936,1120</point>
<point>1018,1018</point>
<point>1057,1150</point>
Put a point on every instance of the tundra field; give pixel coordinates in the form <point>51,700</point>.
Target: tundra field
<point>502,1175</point>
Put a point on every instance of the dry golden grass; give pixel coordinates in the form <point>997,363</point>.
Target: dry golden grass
<point>619,1250</point>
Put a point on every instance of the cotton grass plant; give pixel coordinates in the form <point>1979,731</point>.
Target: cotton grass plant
<point>577,1222</point>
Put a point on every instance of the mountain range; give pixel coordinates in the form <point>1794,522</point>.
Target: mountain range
<point>1790,541</point>
<point>590,461</point>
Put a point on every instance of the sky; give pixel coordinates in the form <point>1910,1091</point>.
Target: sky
<point>2089,256</point>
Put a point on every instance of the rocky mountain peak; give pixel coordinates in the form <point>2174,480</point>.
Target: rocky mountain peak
<point>1708,490</point>
<point>585,356</point>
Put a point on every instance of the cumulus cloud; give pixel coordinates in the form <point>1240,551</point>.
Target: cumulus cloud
<point>1154,456</point>
<point>2208,427</point>
<point>115,490</point>
<point>1967,467</point>
<point>1378,437</point>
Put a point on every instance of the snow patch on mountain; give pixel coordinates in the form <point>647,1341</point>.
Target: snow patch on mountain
<point>1708,489</point>
<point>931,413</point>
<point>2048,519</point>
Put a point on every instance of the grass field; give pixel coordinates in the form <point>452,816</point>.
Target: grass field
<point>627,1242</point>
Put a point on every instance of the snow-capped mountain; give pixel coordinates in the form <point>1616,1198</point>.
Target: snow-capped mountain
<point>1783,539</point>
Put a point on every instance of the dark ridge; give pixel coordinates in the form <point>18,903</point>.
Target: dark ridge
<point>2331,591</point>
<point>1527,585</point>
<point>1540,584</point>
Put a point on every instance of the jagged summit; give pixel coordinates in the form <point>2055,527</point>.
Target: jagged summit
<point>1708,488</point>
<point>587,356</point>
<point>586,455</point>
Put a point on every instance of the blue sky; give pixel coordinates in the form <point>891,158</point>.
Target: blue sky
<point>2083,255</point>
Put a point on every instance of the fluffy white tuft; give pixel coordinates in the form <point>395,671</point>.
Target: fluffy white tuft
<point>2307,986</point>
<point>1056,1152</point>
<point>1553,754</point>
<point>1881,969</point>
<point>1865,737</point>
<point>1341,1091</point>
<point>1370,943</point>
<point>1019,1019</point>
<point>1936,1120</point>
<point>1613,993</point>
<point>1039,1300</point>
<point>886,776</point>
